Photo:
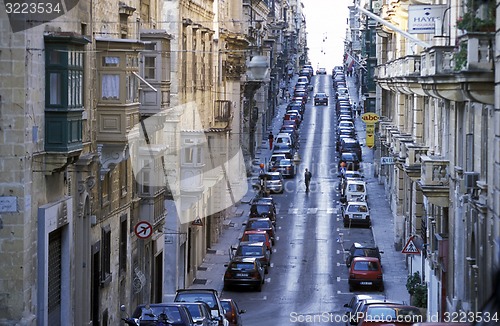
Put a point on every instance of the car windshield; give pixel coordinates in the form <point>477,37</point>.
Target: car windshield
<point>357,188</point>
<point>242,266</point>
<point>273,177</point>
<point>349,157</point>
<point>261,209</point>
<point>153,313</point>
<point>194,310</point>
<point>357,209</point>
<point>226,305</point>
<point>382,313</point>
<point>285,162</point>
<point>255,237</point>
<point>365,266</point>
<point>196,297</point>
<point>259,224</point>
<point>249,251</point>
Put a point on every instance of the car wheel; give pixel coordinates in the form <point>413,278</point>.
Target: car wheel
<point>351,288</point>
<point>266,271</point>
<point>259,287</point>
<point>381,288</point>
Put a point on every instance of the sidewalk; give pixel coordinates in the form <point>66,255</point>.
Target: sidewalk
<point>218,255</point>
<point>395,271</point>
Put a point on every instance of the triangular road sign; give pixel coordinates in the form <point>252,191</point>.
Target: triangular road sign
<point>410,247</point>
<point>197,222</point>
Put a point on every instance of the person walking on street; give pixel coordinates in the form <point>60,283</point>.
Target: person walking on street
<point>307,179</point>
<point>271,139</point>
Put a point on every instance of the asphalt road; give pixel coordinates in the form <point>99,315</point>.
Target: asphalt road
<point>307,282</point>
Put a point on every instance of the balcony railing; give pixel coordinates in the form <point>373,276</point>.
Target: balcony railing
<point>434,171</point>
<point>475,52</point>
<point>437,60</point>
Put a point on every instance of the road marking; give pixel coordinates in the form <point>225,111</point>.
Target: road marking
<point>338,278</point>
<point>312,210</point>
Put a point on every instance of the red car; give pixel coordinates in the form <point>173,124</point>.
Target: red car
<point>233,313</point>
<point>257,236</point>
<point>366,271</point>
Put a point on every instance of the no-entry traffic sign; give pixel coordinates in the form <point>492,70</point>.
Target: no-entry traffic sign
<point>143,230</point>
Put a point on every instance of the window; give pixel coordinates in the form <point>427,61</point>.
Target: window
<point>123,177</point>
<point>110,87</point>
<point>188,155</point>
<point>150,67</point>
<point>110,61</point>
<point>132,88</point>
<point>105,184</point>
<point>123,245</point>
<point>145,180</point>
<point>106,255</point>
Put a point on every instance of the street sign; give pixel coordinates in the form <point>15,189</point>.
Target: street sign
<point>370,140</point>
<point>387,160</point>
<point>410,247</point>
<point>370,117</point>
<point>143,230</point>
<point>197,222</point>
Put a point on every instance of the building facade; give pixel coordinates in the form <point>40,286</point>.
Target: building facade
<point>439,111</point>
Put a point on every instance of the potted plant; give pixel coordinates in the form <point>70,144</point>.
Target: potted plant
<point>478,17</point>
<point>417,290</point>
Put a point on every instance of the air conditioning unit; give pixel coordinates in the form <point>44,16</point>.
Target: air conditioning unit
<point>470,179</point>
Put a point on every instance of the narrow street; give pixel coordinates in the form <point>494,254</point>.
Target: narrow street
<point>308,276</point>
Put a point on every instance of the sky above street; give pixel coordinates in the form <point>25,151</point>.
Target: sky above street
<point>326,29</point>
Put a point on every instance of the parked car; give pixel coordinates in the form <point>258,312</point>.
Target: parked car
<point>366,272</point>
<point>155,313</point>
<point>362,250</point>
<point>233,312</point>
<point>254,249</point>
<point>345,124</point>
<point>362,305</point>
<point>320,98</point>
<point>263,208</point>
<point>244,271</point>
<point>258,236</point>
<point>286,167</point>
<point>350,145</point>
<point>356,213</point>
<point>397,315</point>
<point>261,224</point>
<point>209,296</point>
<point>200,313</point>
<point>351,160</point>
<point>351,305</point>
<point>273,182</point>
<point>353,190</point>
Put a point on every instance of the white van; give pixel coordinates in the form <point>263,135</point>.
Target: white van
<point>355,190</point>
<point>283,138</point>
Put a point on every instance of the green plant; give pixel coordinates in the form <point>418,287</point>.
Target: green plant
<point>478,18</point>
<point>417,290</point>
<point>460,57</point>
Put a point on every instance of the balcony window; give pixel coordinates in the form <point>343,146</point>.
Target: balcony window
<point>149,67</point>
<point>110,87</point>
<point>64,92</point>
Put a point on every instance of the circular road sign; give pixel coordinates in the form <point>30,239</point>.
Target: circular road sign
<point>143,230</point>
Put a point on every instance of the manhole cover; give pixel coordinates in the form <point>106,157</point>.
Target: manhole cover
<point>200,281</point>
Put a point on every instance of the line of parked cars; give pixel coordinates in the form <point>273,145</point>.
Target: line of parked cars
<point>188,307</point>
<point>250,260</point>
<point>363,260</point>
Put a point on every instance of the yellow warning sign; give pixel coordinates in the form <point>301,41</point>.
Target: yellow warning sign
<point>370,140</point>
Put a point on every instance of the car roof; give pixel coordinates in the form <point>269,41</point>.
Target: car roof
<point>255,232</point>
<point>243,259</point>
<point>367,259</point>
<point>358,245</point>
<point>359,203</point>
<point>356,182</point>
<point>259,219</point>
<point>350,140</point>
<point>252,243</point>
<point>197,290</point>
<point>273,173</point>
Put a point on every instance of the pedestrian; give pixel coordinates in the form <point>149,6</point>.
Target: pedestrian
<point>287,96</point>
<point>359,109</point>
<point>354,107</point>
<point>271,139</point>
<point>343,167</point>
<point>307,179</point>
